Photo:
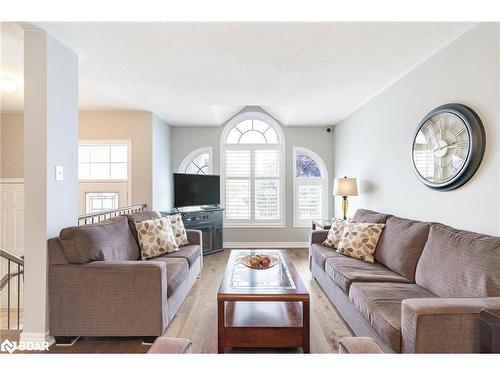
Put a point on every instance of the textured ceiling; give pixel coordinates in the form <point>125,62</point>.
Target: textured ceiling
<point>202,73</point>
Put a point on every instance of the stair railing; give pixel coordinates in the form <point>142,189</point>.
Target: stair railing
<point>103,215</point>
<point>15,274</point>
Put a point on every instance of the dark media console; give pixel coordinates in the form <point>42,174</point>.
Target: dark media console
<point>208,221</point>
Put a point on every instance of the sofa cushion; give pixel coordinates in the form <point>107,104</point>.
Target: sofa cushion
<point>458,263</point>
<point>155,237</point>
<point>178,229</point>
<point>359,240</point>
<point>380,304</point>
<point>401,245</point>
<point>107,240</point>
<point>319,254</point>
<point>190,252</point>
<point>344,271</point>
<point>55,252</point>
<point>367,216</point>
<point>140,216</point>
<point>177,272</point>
<point>335,233</point>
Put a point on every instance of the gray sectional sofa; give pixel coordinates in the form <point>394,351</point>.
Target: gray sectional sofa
<point>424,292</point>
<point>99,286</point>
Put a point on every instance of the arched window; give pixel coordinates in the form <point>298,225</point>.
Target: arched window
<point>197,162</point>
<point>310,187</point>
<point>252,169</point>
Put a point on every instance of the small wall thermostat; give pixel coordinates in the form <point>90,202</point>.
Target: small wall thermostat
<point>59,173</point>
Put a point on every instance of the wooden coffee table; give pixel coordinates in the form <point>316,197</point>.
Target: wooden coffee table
<point>262,308</point>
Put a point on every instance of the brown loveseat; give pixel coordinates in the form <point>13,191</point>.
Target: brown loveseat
<point>99,286</point>
<point>424,292</point>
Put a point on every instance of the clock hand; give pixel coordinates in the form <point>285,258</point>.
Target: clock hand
<point>454,144</point>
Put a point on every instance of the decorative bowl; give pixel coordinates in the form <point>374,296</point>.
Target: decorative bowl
<point>246,261</point>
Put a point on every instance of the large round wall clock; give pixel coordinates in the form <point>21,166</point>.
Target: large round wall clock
<point>448,146</point>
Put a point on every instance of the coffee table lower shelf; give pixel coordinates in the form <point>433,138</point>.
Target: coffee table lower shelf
<point>263,324</point>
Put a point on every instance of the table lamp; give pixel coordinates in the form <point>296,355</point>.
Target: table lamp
<point>345,187</point>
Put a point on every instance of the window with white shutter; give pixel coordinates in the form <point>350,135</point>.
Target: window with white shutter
<point>310,187</point>
<point>252,171</point>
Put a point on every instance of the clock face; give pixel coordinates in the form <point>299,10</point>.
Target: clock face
<point>441,147</point>
<point>448,146</point>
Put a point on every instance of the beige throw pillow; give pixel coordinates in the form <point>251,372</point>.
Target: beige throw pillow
<point>178,229</point>
<point>335,233</point>
<point>359,240</point>
<point>155,237</point>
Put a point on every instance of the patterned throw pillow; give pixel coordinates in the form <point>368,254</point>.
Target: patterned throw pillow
<point>155,237</point>
<point>335,233</point>
<point>179,230</point>
<point>359,240</point>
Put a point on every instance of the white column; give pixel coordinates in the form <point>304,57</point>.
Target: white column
<point>50,140</point>
<point>161,187</point>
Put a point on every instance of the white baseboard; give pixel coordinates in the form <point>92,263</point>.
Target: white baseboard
<point>264,245</point>
<point>37,338</point>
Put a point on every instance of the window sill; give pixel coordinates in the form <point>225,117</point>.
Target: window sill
<point>309,226</point>
<point>257,226</point>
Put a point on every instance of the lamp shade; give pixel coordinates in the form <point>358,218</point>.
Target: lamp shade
<point>345,187</point>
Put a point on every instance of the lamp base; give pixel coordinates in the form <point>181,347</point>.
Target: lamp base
<point>345,207</point>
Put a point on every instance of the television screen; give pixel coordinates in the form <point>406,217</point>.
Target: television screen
<point>196,190</point>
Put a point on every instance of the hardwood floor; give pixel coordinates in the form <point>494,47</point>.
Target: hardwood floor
<point>197,318</point>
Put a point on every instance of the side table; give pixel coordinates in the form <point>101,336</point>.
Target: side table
<point>321,224</point>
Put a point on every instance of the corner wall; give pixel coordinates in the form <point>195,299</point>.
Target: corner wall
<point>374,143</point>
<point>187,139</point>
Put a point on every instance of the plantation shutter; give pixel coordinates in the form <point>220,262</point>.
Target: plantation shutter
<point>267,184</point>
<point>309,201</point>
<point>238,184</point>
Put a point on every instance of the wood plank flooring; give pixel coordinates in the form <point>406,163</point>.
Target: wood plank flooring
<point>197,318</point>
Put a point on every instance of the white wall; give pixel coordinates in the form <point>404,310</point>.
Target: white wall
<point>374,143</point>
<point>161,174</point>
<point>50,139</point>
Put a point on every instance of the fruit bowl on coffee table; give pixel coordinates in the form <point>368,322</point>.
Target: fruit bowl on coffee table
<point>259,261</point>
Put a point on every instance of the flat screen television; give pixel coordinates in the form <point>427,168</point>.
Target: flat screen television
<point>196,190</point>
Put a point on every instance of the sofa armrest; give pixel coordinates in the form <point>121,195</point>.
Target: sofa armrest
<point>318,236</point>
<point>443,325</point>
<point>108,298</point>
<point>194,237</point>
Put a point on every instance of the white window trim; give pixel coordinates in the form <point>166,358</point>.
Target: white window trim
<point>128,142</point>
<point>116,199</point>
<point>252,223</point>
<point>297,223</point>
<point>193,155</point>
